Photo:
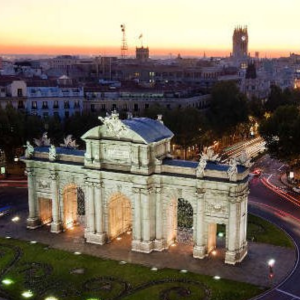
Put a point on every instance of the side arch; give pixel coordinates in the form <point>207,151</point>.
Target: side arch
<point>119,215</point>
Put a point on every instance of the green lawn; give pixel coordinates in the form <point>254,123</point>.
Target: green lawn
<point>63,275</point>
<point>50,272</point>
<point>262,231</point>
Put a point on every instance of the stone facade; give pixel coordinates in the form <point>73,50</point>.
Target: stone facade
<point>129,183</point>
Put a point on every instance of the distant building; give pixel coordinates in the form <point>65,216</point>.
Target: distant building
<point>59,98</point>
<point>240,46</point>
<point>12,91</point>
<point>142,53</point>
<point>138,99</point>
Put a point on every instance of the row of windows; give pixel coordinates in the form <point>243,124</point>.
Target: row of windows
<point>136,107</point>
<point>55,105</point>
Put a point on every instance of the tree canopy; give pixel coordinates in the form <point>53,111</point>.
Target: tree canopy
<point>228,107</point>
<point>281,131</point>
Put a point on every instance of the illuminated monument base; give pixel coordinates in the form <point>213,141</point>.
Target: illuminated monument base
<point>127,183</point>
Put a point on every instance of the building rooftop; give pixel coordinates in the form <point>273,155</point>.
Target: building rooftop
<point>150,130</point>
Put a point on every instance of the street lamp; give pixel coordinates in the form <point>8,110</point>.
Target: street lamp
<point>271,264</point>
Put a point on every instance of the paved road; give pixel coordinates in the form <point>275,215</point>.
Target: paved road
<point>275,206</point>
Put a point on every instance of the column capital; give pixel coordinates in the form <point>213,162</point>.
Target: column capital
<point>146,191</point>
<point>158,190</point>
<point>136,190</point>
<point>30,172</point>
<point>99,185</point>
<point>89,183</point>
<point>53,175</point>
<point>200,192</point>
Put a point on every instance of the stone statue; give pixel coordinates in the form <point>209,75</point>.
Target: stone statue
<point>232,170</point>
<point>201,166</point>
<point>29,150</point>
<point>209,154</point>
<point>52,153</point>
<point>43,141</point>
<point>113,124</point>
<point>69,142</point>
<point>244,159</point>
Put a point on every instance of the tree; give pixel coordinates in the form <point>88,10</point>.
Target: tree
<point>228,108</point>
<point>11,130</point>
<point>281,131</point>
<point>188,124</point>
<point>276,98</point>
<point>256,108</point>
<point>77,125</point>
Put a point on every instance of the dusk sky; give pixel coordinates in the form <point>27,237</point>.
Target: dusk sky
<point>168,26</point>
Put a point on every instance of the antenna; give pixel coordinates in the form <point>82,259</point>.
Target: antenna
<point>141,39</point>
<point>124,46</point>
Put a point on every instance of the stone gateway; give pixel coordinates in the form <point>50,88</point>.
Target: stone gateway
<point>126,180</point>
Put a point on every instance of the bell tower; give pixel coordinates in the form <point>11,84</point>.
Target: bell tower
<point>240,43</point>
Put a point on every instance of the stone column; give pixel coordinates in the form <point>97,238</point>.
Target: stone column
<point>91,208</point>
<point>88,153</point>
<point>100,237</point>
<point>200,249</point>
<point>33,219</point>
<point>136,228</point>
<point>159,243</point>
<point>230,255</point>
<point>147,244</point>
<point>56,221</point>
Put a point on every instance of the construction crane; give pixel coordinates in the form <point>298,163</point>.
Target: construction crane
<point>124,46</point>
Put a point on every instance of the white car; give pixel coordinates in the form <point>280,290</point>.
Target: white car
<point>296,189</point>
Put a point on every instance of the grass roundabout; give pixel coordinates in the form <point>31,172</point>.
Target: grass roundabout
<point>36,271</point>
<point>29,271</point>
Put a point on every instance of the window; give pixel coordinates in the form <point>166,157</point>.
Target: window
<point>103,107</point>
<point>45,105</point>
<point>136,107</point>
<point>93,109</point>
<point>146,106</point>
<point>76,104</point>
<point>20,93</point>
<point>20,104</point>
<point>34,105</point>
<point>55,105</point>
<point>67,104</point>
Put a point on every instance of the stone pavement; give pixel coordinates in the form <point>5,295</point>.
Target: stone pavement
<point>253,269</point>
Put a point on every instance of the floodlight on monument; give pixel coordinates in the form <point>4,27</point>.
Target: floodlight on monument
<point>7,281</point>
<point>15,219</point>
<point>27,294</point>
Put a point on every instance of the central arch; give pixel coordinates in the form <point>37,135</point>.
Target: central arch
<point>73,206</point>
<point>119,214</point>
<point>179,227</point>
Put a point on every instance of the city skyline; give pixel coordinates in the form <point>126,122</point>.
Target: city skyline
<point>92,27</point>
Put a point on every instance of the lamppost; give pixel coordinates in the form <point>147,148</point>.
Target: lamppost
<point>271,264</point>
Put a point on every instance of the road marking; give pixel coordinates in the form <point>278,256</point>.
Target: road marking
<point>270,177</point>
<point>279,169</point>
<point>289,294</point>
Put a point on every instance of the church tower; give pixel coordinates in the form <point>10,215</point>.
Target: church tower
<point>240,43</point>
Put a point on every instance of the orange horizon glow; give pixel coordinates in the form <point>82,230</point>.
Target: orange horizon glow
<point>115,51</point>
